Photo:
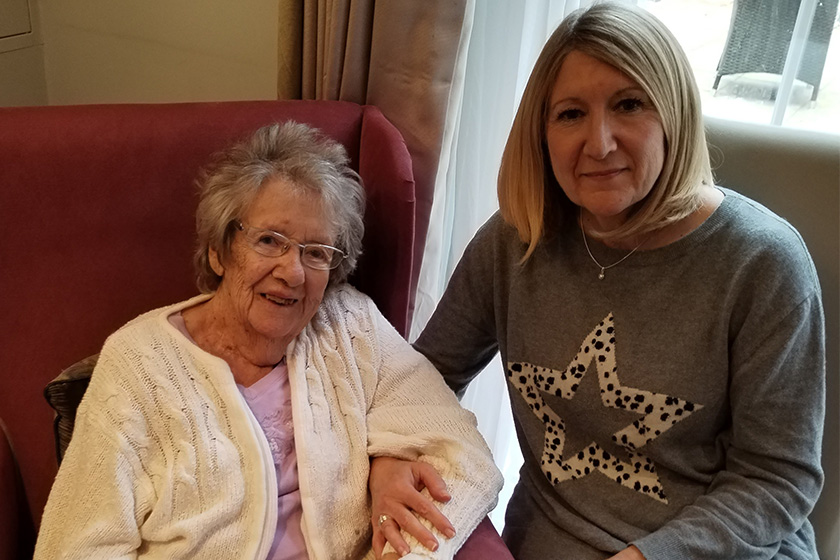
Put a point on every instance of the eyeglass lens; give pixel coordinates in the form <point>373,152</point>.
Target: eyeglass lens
<point>274,244</point>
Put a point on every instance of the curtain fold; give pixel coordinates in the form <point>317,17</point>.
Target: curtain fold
<point>335,54</point>
<point>289,49</point>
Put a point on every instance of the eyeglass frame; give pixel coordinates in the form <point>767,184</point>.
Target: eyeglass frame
<point>334,263</point>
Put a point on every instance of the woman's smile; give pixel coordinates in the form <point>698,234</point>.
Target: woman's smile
<point>279,300</point>
<point>603,175</point>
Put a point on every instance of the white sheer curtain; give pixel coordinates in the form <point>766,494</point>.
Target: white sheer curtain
<point>503,45</point>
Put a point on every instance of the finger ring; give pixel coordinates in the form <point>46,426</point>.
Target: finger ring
<point>383,518</point>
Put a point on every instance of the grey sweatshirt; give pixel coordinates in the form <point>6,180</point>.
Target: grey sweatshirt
<point>677,404</point>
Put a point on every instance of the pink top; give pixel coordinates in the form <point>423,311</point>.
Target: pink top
<point>270,401</point>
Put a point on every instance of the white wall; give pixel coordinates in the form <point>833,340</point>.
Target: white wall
<point>124,51</point>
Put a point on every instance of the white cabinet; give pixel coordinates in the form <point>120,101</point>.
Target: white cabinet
<point>14,18</point>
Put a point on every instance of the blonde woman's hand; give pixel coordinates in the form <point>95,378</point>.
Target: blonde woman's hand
<point>395,487</point>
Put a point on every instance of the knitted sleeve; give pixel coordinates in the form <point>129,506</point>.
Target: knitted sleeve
<point>414,415</point>
<point>100,494</point>
<point>772,476</point>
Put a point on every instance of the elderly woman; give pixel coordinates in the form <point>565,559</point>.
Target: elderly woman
<point>240,423</point>
<point>663,338</point>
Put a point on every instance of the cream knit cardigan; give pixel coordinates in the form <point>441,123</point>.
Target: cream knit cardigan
<point>167,461</point>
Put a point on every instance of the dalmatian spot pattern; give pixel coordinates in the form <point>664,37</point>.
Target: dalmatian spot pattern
<point>658,413</point>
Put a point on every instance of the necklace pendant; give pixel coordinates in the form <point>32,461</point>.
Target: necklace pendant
<point>591,256</point>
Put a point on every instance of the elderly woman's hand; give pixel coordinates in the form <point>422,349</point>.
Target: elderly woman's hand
<point>395,487</point>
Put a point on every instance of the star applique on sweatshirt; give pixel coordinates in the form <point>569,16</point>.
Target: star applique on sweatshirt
<point>636,416</point>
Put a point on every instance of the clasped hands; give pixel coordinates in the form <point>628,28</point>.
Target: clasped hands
<point>397,501</point>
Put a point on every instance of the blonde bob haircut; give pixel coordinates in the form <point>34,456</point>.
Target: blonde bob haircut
<point>638,44</point>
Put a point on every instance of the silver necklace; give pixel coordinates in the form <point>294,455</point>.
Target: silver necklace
<point>591,256</point>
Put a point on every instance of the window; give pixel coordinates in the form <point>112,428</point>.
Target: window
<point>739,50</point>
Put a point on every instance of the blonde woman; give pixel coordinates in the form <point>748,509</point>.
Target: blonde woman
<point>663,338</point>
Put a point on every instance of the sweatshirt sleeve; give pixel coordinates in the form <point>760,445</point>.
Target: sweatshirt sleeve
<point>95,505</point>
<point>772,475</point>
<point>461,337</point>
<point>414,415</point>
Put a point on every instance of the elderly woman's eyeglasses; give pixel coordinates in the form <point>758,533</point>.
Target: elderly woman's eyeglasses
<point>270,243</point>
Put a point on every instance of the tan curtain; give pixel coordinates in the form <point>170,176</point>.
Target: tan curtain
<point>400,55</point>
<point>324,48</point>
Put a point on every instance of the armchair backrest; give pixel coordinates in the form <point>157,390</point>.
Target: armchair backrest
<point>97,225</point>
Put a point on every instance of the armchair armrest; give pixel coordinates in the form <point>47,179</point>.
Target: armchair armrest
<point>484,543</point>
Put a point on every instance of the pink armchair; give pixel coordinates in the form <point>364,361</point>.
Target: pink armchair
<point>96,215</point>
